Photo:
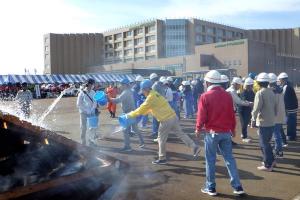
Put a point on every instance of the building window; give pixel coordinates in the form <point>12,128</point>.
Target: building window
<point>199,29</point>
<point>118,36</point>
<point>219,39</point>
<point>128,52</point>
<point>128,43</point>
<point>118,45</point>
<point>210,30</point>
<point>138,31</point>
<point>108,46</point>
<point>220,33</point>
<point>118,53</point>
<point>239,62</point>
<point>150,38</point>
<point>229,34</point>
<point>46,40</point>
<point>138,41</point>
<point>234,62</point>
<point>209,39</point>
<point>139,50</point>
<point>46,48</point>
<point>128,33</point>
<point>128,60</point>
<point>150,29</point>
<point>150,48</point>
<point>46,57</point>
<point>108,38</point>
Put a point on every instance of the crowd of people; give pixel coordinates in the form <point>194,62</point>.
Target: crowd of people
<point>265,102</point>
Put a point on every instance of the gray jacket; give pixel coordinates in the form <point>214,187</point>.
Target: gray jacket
<point>264,108</point>
<point>158,87</point>
<point>127,100</point>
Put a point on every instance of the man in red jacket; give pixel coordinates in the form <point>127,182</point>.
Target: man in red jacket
<point>216,117</point>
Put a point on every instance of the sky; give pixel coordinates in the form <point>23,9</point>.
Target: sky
<point>23,23</point>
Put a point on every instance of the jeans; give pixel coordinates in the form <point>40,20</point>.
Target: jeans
<point>277,137</point>
<point>291,125</point>
<point>283,136</point>
<point>211,143</point>
<point>188,107</point>
<point>265,136</point>
<point>244,119</point>
<point>155,125</point>
<point>126,133</point>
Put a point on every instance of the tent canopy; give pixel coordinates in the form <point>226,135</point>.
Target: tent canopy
<point>64,78</point>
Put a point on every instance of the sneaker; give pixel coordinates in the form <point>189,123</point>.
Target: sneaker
<point>159,162</point>
<point>142,146</point>
<point>196,150</point>
<point>263,168</point>
<point>211,192</point>
<point>239,191</point>
<point>126,149</point>
<point>246,140</point>
<point>279,154</point>
<point>155,140</point>
<point>285,145</point>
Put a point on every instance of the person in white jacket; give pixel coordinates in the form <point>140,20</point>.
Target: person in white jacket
<point>280,115</point>
<point>87,107</point>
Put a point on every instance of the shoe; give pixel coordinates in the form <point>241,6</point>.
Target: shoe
<point>246,140</point>
<point>233,143</point>
<point>239,191</point>
<point>263,168</point>
<point>211,192</point>
<point>159,162</point>
<point>155,140</point>
<point>285,145</point>
<point>273,164</point>
<point>153,136</point>
<point>279,154</point>
<point>196,150</point>
<point>126,149</point>
<point>142,146</point>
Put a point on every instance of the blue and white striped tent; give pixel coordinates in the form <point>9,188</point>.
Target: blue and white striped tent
<point>64,78</point>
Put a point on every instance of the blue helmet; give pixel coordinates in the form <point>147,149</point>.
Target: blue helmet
<point>146,84</point>
<point>252,75</point>
<point>125,81</point>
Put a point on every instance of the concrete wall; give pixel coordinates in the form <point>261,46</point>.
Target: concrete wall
<point>72,53</point>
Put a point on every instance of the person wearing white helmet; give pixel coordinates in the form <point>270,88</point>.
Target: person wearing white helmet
<point>187,100</point>
<point>139,99</point>
<point>224,81</point>
<point>170,79</point>
<point>245,111</point>
<point>291,105</point>
<point>263,114</point>
<point>280,115</point>
<point>158,87</point>
<point>216,116</point>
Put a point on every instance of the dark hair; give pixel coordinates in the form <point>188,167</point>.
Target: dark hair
<point>90,81</point>
<point>224,85</point>
<point>24,84</point>
<point>263,84</point>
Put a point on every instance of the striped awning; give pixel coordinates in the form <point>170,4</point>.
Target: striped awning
<point>64,78</point>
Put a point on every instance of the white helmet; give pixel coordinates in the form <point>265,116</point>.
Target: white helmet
<point>237,80</point>
<point>263,77</point>
<point>162,79</point>
<point>139,78</point>
<point>180,88</point>
<point>224,79</point>
<point>249,81</point>
<point>213,76</point>
<point>194,82</point>
<point>165,81</point>
<point>272,77</point>
<point>170,79</point>
<point>185,83</point>
<point>282,75</point>
<point>153,76</point>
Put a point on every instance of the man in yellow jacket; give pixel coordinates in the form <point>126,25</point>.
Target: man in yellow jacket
<point>158,106</point>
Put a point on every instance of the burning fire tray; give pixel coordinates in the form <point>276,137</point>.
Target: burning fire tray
<point>36,163</point>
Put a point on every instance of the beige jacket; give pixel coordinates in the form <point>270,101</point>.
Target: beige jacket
<point>264,108</point>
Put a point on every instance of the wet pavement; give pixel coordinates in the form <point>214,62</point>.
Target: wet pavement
<point>182,177</point>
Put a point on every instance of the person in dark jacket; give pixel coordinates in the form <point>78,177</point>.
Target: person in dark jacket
<point>245,111</point>
<point>291,105</point>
